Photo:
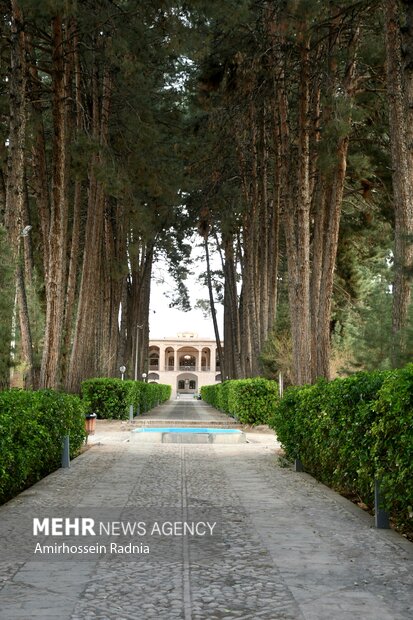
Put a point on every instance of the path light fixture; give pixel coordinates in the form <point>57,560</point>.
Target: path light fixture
<point>144,376</point>
<point>122,371</point>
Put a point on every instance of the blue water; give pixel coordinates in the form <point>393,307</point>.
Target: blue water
<point>186,430</point>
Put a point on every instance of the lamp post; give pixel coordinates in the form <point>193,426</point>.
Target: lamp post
<point>138,327</point>
<point>122,371</point>
<point>144,376</point>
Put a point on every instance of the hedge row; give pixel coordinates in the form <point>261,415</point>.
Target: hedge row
<point>111,398</point>
<point>349,432</point>
<point>250,401</point>
<point>32,426</point>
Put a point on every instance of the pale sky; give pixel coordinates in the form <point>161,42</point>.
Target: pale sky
<point>167,322</point>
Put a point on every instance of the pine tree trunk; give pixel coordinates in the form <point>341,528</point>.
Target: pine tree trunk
<point>112,290</point>
<point>15,189</point>
<point>273,243</point>
<point>250,268</point>
<point>50,374</point>
<point>320,217</point>
<point>86,355</point>
<point>137,310</point>
<point>123,328</point>
<point>323,317</point>
<point>75,129</point>
<point>400,95</point>
<point>40,177</point>
<point>213,310</point>
<point>231,314</point>
<point>25,330</point>
<point>330,215</point>
<point>296,220</point>
<point>15,184</point>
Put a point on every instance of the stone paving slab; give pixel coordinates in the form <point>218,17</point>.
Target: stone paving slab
<point>186,410</point>
<point>290,549</point>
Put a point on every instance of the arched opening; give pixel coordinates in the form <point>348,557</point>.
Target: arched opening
<point>154,358</point>
<point>188,359</point>
<point>186,383</point>
<point>206,359</point>
<point>187,362</point>
<point>169,359</point>
<point>153,376</point>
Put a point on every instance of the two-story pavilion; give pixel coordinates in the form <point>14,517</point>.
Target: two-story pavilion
<point>185,362</point>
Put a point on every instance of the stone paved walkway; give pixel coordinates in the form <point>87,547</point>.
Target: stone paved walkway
<point>289,549</point>
<point>186,410</point>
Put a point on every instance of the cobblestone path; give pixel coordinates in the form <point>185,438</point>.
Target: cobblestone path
<point>289,548</point>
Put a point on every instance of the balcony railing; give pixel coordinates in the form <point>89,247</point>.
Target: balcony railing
<point>181,368</point>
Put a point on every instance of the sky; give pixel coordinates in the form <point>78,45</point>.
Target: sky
<point>167,322</point>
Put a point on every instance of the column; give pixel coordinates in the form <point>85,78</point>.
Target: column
<point>175,359</point>
<point>213,358</point>
<point>162,358</point>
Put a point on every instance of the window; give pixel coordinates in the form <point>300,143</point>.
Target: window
<point>181,385</point>
<point>192,385</point>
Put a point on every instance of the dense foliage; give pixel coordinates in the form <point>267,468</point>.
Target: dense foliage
<point>349,432</point>
<point>32,425</point>
<point>393,441</point>
<point>91,171</point>
<point>145,396</point>
<point>106,397</point>
<point>250,401</point>
<point>111,398</point>
<point>265,125</point>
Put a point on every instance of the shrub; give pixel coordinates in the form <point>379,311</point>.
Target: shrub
<point>32,426</point>
<point>111,398</point>
<point>352,431</point>
<point>106,397</point>
<point>289,423</point>
<point>251,401</point>
<point>222,396</point>
<point>392,435</point>
<point>209,394</point>
<point>147,395</point>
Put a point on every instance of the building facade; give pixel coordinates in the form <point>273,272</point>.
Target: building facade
<point>185,362</point>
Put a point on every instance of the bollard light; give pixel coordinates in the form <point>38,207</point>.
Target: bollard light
<point>65,452</point>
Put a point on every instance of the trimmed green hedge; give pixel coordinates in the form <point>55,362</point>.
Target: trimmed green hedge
<point>32,425</point>
<point>111,398</point>
<point>106,397</point>
<point>350,431</point>
<point>392,436</point>
<point>147,395</point>
<point>251,401</point>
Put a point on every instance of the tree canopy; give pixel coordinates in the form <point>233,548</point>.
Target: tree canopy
<point>278,129</point>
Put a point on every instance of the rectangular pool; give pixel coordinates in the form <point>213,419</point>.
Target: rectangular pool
<point>188,435</point>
